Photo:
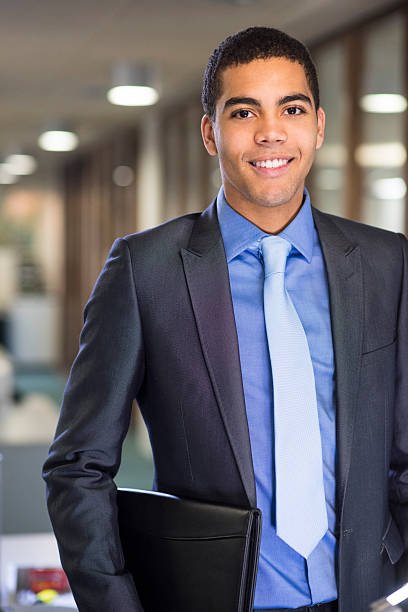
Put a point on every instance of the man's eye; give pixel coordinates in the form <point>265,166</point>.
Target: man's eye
<point>242,114</point>
<point>294,110</point>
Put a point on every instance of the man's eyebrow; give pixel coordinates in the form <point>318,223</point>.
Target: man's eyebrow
<point>293,98</point>
<point>241,100</point>
<point>236,100</point>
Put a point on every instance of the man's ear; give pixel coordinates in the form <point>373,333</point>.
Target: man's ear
<point>207,133</point>
<point>321,120</point>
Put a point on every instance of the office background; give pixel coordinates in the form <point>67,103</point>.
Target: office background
<point>133,167</point>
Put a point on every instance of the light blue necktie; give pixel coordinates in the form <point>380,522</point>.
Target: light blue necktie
<point>301,516</point>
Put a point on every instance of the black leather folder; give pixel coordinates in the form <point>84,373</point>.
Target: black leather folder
<point>189,556</point>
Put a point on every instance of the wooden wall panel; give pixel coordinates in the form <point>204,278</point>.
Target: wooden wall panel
<point>96,212</point>
<point>186,163</point>
<point>353,124</point>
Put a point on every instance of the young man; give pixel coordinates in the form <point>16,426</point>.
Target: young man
<point>266,344</point>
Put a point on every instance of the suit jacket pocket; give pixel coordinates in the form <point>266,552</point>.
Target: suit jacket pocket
<point>392,542</point>
<point>373,347</point>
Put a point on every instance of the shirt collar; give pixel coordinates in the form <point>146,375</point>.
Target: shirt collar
<point>300,231</point>
<point>238,233</point>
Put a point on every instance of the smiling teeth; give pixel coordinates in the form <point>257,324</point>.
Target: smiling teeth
<point>271,163</point>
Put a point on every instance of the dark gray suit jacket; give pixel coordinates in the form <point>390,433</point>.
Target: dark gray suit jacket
<point>159,326</point>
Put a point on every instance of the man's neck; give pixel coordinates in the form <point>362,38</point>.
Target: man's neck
<point>271,220</point>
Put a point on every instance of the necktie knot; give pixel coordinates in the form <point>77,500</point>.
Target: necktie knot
<point>275,251</point>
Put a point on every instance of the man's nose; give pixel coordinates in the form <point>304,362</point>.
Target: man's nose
<point>270,130</point>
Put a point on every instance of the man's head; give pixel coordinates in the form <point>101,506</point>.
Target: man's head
<point>263,121</point>
<point>246,46</point>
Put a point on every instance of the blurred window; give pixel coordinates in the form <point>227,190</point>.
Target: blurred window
<point>383,180</point>
<point>329,170</point>
<point>361,170</point>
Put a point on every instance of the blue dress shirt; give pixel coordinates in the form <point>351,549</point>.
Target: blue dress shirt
<point>285,579</point>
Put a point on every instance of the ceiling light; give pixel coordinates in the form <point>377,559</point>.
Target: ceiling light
<point>381,155</point>
<point>58,140</point>
<point>123,176</point>
<point>383,103</point>
<point>132,95</point>
<point>6,177</point>
<point>21,165</point>
<point>389,188</point>
<point>133,86</point>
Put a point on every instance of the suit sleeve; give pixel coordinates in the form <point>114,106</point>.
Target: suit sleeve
<point>399,466</point>
<point>85,455</point>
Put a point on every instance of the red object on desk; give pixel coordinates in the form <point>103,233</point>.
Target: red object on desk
<point>47,578</point>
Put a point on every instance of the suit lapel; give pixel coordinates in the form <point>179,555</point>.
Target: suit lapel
<point>207,278</point>
<point>343,265</point>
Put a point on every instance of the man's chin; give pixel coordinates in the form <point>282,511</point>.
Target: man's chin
<point>274,201</point>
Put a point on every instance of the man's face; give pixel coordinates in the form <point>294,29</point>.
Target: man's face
<point>265,133</point>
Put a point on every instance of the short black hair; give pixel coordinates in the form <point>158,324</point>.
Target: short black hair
<point>252,44</point>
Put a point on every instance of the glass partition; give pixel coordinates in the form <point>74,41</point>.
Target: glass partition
<point>328,179</point>
<point>361,170</point>
<point>382,152</point>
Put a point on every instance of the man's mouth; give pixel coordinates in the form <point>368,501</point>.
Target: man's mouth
<point>271,163</point>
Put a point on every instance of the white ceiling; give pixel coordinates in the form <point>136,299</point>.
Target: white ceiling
<point>56,56</point>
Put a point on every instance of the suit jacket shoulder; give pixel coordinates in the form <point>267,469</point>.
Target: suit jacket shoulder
<point>173,234</point>
<point>361,233</point>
